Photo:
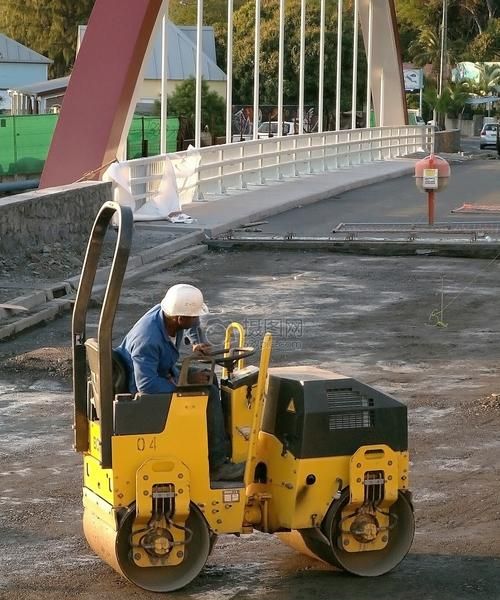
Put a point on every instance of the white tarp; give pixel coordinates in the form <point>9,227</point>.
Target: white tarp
<point>119,175</point>
<point>158,207</point>
<point>177,186</point>
<point>186,174</point>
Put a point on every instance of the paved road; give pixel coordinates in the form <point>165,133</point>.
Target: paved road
<point>397,201</point>
<point>470,145</point>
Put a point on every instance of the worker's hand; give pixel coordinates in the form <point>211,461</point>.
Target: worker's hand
<point>201,377</point>
<point>202,348</point>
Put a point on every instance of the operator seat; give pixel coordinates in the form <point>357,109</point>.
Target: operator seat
<point>119,373</point>
<point>133,414</point>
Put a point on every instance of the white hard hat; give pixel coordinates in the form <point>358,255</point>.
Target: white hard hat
<point>183,300</point>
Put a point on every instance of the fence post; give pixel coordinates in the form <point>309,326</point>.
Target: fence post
<point>295,170</point>
<point>14,130</point>
<point>144,141</point>
<point>243,183</point>
<point>309,155</point>
<point>323,144</point>
<point>279,175</point>
<point>222,187</point>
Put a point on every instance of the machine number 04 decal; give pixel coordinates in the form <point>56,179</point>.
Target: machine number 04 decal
<point>143,444</point>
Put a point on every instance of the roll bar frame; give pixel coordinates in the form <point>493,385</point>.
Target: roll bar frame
<point>104,381</point>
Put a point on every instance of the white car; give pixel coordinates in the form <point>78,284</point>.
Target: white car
<point>488,135</point>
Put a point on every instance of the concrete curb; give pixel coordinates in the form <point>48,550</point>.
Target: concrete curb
<point>365,247</point>
<point>60,296</point>
<point>48,313</point>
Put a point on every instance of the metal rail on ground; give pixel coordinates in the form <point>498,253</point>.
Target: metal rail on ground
<point>464,231</point>
<point>412,231</point>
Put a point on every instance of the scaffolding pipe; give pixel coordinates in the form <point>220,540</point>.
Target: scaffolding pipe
<point>369,52</point>
<point>339,65</point>
<point>164,78</point>
<point>229,75</point>
<point>199,50</point>
<point>382,100</point>
<point>256,72</point>
<point>302,63</point>
<point>354,99</point>
<point>9,187</point>
<point>321,85</point>
<point>281,54</point>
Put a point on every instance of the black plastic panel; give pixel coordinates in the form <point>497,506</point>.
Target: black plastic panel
<point>316,418</point>
<point>142,414</point>
<point>247,376</point>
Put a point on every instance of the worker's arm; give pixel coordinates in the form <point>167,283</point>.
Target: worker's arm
<point>196,334</point>
<point>146,362</point>
<point>198,339</point>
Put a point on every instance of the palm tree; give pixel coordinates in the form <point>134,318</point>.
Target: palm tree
<point>451,101</point>
<point>426,49</point>
<point>489,79</point>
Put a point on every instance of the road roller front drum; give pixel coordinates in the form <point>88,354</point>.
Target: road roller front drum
<point>114,547</point>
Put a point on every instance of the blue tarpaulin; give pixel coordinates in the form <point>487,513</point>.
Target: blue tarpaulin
<point>482,100</point>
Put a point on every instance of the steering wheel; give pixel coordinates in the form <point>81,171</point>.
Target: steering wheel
<point>225,357</point>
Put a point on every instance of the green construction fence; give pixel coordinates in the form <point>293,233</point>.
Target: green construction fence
<point>25,141</point>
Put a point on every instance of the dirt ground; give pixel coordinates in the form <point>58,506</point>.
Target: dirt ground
<point>376,319</point>
<point>36,267</point>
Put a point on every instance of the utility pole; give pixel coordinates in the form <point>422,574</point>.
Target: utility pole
<point>444,36</point>
<point>442,62</point>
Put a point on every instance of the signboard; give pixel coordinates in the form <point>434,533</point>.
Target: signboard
<point>430,181</point>
<point>413,79</point>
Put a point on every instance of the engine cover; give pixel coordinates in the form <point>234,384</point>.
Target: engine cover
<point>317,413</point>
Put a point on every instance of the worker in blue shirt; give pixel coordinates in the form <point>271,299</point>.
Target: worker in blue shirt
<point>151,351</point>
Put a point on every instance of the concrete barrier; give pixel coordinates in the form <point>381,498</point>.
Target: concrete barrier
<point>63,214</point>
<point>447,141</point>
<point>468,127</point>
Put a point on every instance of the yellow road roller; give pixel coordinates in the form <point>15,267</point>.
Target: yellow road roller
<point>326,456</point>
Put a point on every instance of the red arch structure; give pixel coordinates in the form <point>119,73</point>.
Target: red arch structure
<point>101,89</point>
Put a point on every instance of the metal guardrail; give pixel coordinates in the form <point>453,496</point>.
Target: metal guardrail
<point>237,166</point>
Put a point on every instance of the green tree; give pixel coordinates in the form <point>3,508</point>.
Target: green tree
<point>182,104</point>
<point>48,27</point>
<point>472,32</point>
<point>489,79</point>
<point>426,49</point>
<point>479,13</point>
<point>486,45</point>
<point>451,101</point>
<point>184,12</point>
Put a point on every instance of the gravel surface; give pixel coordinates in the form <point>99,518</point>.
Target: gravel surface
<point>367,317</point>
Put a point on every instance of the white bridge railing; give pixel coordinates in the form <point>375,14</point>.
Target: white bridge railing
<point>236,166</point>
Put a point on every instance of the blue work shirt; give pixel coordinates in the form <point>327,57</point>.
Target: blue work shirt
<point>150,355</point>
